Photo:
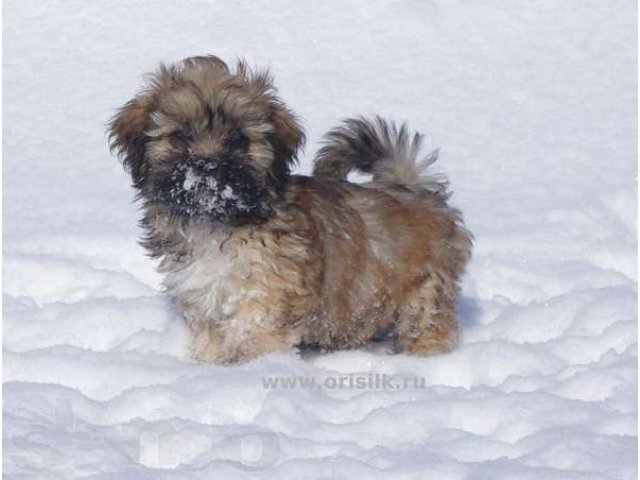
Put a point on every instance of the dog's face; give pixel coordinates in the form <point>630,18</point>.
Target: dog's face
<point>203,143</point>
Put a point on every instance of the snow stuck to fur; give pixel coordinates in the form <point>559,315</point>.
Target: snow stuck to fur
<point>532,105</point>
<point>200,194</point>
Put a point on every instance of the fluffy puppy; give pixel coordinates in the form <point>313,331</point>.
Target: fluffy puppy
<point>259,260</point>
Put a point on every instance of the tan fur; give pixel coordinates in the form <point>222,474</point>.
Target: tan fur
<point>328,264</point>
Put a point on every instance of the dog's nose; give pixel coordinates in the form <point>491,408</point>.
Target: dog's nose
<point>209,167</point>
<point>204,165</point>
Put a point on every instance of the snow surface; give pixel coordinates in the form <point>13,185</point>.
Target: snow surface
<point>533,107</point>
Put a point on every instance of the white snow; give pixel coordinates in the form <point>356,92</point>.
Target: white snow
<point>191,179</point>
<point>533,108</point>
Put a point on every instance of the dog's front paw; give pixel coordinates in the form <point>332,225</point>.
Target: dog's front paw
<point>207,345</point>
<point>210,346</point>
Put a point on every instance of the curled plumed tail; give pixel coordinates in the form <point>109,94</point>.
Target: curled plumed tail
<point>378,147</point>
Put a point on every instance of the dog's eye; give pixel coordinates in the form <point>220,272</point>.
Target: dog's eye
<point>237,141</point>
<point>180,139</point>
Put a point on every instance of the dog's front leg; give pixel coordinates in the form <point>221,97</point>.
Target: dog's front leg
<point>248,299</point>
<point>247,333</point>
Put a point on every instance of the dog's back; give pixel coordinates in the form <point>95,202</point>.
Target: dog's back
<point>404,246</point>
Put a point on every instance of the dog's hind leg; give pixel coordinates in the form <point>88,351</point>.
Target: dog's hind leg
<point>427,323</point>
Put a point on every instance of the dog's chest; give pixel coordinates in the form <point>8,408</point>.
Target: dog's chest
<point>211,282</point>
<point>252,280</point>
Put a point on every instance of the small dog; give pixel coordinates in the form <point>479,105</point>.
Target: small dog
<point>259,260</point>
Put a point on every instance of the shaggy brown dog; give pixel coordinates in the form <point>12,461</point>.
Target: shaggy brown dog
<point>259,260</point>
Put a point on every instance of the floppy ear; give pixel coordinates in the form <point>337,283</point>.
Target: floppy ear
<point>286,139</point>
<point>287,135</point>
<point>127,138</point>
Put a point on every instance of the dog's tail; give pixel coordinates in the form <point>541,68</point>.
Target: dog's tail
<point>380,148</point>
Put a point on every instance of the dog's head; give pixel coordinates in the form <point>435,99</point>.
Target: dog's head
<point>203,142</point>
